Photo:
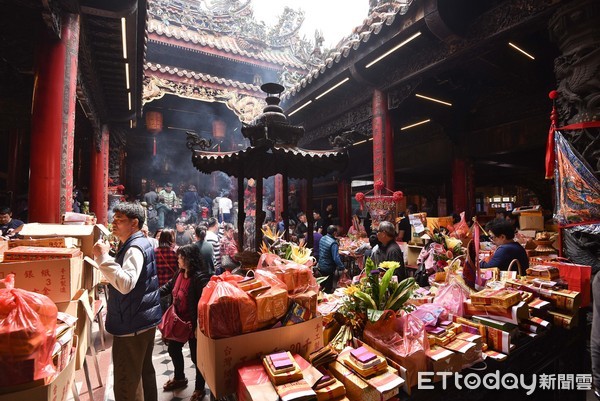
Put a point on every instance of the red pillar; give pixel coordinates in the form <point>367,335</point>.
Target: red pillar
<point>50,114</point>
<point>344,203</point>
<point>383,156</point>
<point>463,187</point>
<point>278,196</point>
<point>99,178</point>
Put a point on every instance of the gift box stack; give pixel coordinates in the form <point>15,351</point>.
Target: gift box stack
<point>366,374</point>
<point>281,376</point>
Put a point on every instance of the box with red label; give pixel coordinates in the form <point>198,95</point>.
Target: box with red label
<point>21,253</point>
<point>58,279</point>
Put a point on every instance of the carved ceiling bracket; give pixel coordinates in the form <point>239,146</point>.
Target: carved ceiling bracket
<point>51,15</point>
<point>245,107</point>
<point>398,95</point>
<point>357,120</point>
<point>86,101</point>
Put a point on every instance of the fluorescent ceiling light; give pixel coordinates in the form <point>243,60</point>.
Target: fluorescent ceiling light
<point>127,75</point>
<point>332,88</point>
<point>124,37</point>
<point>521,50</point>
<point>300,108</point>
<point>129,99</point>
<point>130,123</point>
<point>393,50</point>
<point>359,142</point>
<point>415,124</point>
<point>433,99</point>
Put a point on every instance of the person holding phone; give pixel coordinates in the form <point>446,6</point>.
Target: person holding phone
<point>133,306</point>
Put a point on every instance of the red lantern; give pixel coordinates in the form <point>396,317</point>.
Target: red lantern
<point>398,196</point>
<point>219,129</point>
<point>378,185</point>
<point>154,124</point>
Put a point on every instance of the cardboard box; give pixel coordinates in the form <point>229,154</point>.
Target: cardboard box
<point>531,222</point>
<point>57,388</point>
<point>52,242</point>
<point>81,308</point>
<point>87,234</point>
<point>219,358</point>
<point>413,254</point>
<point>443,360</point>
<point>58,279</point>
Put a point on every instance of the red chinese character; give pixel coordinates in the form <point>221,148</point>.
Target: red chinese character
<point>45,273</point>
<point>46,291</point>
<point>29,274</point>
<point>227,351</point>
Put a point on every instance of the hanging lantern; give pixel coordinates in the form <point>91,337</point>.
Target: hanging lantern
<point>154,124</point>
<point>219,129</point>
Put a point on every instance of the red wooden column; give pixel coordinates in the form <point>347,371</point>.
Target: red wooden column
<point>344,203</point>
<point>463,187</point>
<point>53,123</point>
<point>383,141</point>
<point>99,178</point>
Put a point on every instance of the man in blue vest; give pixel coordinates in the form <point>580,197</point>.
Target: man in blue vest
<point>329,258</point>
<point>133,309</point>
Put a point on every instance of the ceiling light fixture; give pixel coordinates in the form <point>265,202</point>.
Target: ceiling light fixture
<point>415,124</point>
<point>393,50</point>
<point>129,99</point>
<point>300,108</point>
<point>332,88</point>
<point>433,99</point>
<point>124,37</point>
<point>521,50</point>
<point>130,123</point>
<point>127,75</point>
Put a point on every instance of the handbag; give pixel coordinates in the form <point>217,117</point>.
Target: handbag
<point>421,276</point>
<point>173,328</point>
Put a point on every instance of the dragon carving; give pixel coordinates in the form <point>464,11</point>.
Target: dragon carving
<point>195,142</point>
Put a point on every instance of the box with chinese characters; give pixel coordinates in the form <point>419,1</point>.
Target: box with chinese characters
<point>58,279</point>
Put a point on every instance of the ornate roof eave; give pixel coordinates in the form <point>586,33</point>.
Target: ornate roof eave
<point>222,46</point>
<point>267,161</point>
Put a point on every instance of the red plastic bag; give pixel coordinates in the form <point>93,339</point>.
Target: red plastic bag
<point>224,310</point>
<point>402,338</point>
<point>578,277</point>
<point>27,334</point>
<point>452,296</point>
<point>298,278</point>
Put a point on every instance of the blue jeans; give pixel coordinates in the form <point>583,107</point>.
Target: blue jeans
<point>162,211</point>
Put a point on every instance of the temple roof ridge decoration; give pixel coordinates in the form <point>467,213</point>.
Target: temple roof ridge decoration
<point>229,25</point>
<point>381,12</point>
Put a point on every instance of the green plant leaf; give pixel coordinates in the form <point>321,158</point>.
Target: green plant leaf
<point>383,287</point>
<point>369,265</point>
<point>401,294</point>
<point>374,315</point>
<point>321,279</point>
<point>365,298</point>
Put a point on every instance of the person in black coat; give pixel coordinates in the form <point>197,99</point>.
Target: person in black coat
<point>186,288</point>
